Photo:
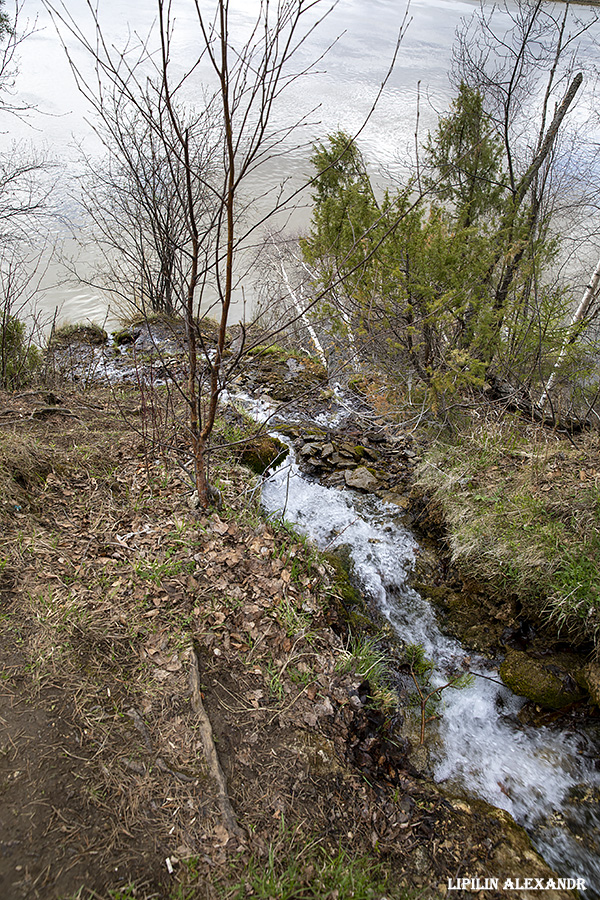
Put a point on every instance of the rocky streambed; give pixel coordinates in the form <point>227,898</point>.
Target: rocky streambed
<point>351,490</point>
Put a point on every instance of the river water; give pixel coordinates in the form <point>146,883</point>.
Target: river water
<point>341,96</point>
<point>546,778</point>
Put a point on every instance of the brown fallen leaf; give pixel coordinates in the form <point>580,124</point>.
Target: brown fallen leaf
<point>219,526</point>
<point>220,834</point>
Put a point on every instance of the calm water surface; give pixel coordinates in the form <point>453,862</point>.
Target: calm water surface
<point>343,90</point>
<point>341,95</point>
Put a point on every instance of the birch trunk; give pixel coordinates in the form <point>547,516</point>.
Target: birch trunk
<point>586,300</point>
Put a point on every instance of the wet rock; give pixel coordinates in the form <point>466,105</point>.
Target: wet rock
<point>361,479</point>
<point>398,499</point>
<point>263,451</point>
<point>342,462</point>
<point>591,680</point>
<point>508,849</point>
<point>340,562</point>
<point>310,449</point>
<point>549,681</point>
<point>289,429</point>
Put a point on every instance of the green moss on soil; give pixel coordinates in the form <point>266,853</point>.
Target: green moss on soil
<point>79,333</point>
<point>550,682</point>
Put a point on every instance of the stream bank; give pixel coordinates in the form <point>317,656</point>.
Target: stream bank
<point>540,664</point>
<point>108,580</point>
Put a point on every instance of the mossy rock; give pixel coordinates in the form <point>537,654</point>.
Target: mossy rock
<point>341,563</point>
<point>438,594</point>
<point>125,336</point>
<point>550,682</point>
<point>291,431</point>
<point>66,335</point>
<point>261,452</point>
<point>353,609</point>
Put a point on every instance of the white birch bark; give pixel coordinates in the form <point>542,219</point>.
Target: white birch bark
<point>586,300</point>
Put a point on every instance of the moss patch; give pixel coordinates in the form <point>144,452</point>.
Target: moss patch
<point>79,333</point>
<point>549,682</point>
<point>263,451</point>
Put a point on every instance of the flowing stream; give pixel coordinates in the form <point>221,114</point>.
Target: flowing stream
<point>545,777</point>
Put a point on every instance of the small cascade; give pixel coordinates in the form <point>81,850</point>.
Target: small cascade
<point>546,778</point>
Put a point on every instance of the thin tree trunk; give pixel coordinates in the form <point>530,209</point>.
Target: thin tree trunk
<point>586,300</point>
<point>507,227</point>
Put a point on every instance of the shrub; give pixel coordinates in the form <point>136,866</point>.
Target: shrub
<point>19,357</point>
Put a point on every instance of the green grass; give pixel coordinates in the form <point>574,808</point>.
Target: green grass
<point>575,601</point>
<point>293,868</point>
<point>155,570</point>
<point>297,868</point>
<point>321,876</point>
<point>87,332</point>
<point>522,515</point>
<point>364,659</point>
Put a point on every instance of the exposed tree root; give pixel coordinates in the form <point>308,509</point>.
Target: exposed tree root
<point>210,751</point>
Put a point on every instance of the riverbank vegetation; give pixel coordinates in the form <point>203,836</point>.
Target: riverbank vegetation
<point>450,286</point>
<point>521,506</point>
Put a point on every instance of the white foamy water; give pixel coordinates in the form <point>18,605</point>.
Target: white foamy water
<point>546,778</point>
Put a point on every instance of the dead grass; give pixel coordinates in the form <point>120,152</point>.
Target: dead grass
<point>522,509</point>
